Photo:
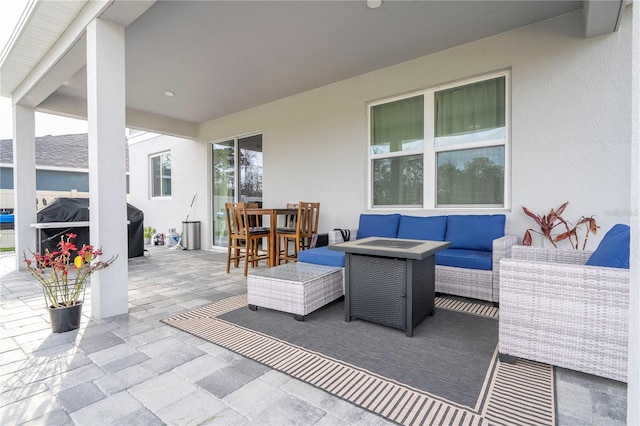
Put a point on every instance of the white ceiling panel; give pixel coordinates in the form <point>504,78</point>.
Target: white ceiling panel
<point>220,57</point>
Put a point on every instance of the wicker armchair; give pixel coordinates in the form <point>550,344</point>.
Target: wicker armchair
<point>556,310</point>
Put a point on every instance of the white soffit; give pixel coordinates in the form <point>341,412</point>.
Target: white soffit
<point>46,23</point>
<point>602,16</point>
<point>34,37</point>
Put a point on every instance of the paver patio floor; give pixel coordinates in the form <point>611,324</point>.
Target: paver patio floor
<point>133,369</point>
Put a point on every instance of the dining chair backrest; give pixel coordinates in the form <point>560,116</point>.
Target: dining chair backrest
<point>302,236</point>
<point>291,219</point>
<point>236,219</point>
<point>254,220</point>
<point>308,219</point>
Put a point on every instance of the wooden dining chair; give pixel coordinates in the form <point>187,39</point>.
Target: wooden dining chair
<point>244,240</point>
<point>290,219</point>
<point>301,235</point>
<point>254,220</point>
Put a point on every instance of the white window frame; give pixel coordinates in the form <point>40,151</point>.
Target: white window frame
<point>151,176</point>
<point>429,152</point>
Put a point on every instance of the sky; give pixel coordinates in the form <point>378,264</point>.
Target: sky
<point>46,124</point>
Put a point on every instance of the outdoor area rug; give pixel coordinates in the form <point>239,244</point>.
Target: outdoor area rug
<point>448,372</point>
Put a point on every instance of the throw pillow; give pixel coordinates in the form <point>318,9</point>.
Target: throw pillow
<point>613,250</point>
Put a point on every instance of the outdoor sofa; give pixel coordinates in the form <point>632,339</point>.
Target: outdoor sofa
<point>567,307</point>
<point>469,268</point>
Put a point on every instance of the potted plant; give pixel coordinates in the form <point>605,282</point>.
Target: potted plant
<point>63,275</point>
<point>149,232</point>
<point>550,221</point>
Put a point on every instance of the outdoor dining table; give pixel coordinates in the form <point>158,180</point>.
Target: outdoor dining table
<point>273,214</point>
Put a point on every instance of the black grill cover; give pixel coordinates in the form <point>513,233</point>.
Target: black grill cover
<point>77,210</point>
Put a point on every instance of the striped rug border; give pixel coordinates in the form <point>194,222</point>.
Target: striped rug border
<point>512,394</point>
<point>468,307</point>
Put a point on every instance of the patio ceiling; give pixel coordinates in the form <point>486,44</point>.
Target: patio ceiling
<point>220,57</point>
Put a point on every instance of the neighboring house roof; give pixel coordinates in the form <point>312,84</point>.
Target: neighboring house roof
<point>69,151</point>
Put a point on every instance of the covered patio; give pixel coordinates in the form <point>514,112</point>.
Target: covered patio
<point>304,75</point>
<point>133,369</point>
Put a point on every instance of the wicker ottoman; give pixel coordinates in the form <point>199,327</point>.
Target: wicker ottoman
<point>297,288</point>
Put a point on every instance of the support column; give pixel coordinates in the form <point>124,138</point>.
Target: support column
<point>24,180</point>
<point>107,164</point>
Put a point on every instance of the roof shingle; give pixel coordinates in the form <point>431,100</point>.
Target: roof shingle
<point>56,151</point>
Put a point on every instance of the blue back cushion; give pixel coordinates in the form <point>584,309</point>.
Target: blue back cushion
<point>378,225</point>
<point>613,250</point>
<point>423,228</point>
<point>474,232</point>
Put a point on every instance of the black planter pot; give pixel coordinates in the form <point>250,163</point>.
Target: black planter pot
<point>65,318</point>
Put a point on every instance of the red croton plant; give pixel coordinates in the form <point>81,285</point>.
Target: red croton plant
<point>64,280</point>
<point>553,219</point>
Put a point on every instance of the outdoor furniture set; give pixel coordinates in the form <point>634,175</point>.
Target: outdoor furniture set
<point>567,307</point>
<point>252,242</point>
<point>562,307</point>
<point>468,268</point>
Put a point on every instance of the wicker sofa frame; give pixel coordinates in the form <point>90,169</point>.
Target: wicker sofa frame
<point>556,310</point>
<point>464,282</point>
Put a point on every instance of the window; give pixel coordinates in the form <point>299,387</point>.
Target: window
<point>161,175</point>
<point>441,148</point>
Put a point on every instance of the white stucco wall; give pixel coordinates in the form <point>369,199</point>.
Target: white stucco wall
<point>633,388</point>
<point>570,132</point>
<point>189,177</point>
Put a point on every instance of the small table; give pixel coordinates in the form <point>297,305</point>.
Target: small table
<point>297,288</point>
<point>390,281</point>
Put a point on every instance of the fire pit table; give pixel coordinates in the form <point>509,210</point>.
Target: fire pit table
<point>390,281</point>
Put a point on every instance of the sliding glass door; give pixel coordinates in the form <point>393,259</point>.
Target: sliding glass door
<point>237,176</point>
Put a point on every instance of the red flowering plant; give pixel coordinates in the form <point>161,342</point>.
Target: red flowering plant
<point>550,221</point>
<point>63,279</point>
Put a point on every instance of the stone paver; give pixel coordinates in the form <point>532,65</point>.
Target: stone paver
<point>158,392</point>
<point>251,400</point>
<point>172,359</point>
<point>29,408</point>
<point>80,396</point>
<point>123,379</point>
<point>52,418</point>
<point>201,367</point>
<point>134,370</point>
<point>75,377</point>
<point>197,408</point>
<point>107,411</point>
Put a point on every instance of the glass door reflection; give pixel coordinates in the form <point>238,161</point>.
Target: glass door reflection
<point>237,176</point>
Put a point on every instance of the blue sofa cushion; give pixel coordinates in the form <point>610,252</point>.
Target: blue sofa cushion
<point>474,232</point>
<point>322,256</point>
<point>461,258</point>
<point>423,228</point>
<point>378,225</point>
<point>613,250</point>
